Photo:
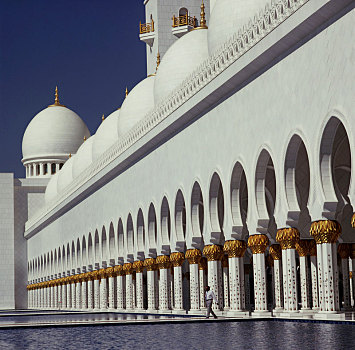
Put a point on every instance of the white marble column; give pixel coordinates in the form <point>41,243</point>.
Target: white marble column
<point>73,294</point>
<point>225,278</point>
<point>78,296</point>
<point>138,267</point>
<point>96,276</point>
<point>194,256</point>
<point>326,233</point>
<point>111,288</point>
<point>163,262</point>
<point>236,250</point>
<point>288,238</point>
<point>314,276</point>
<point>177,260</point>
<point>121,290</point>
<point>103,293</point>
<point>150,265</point>
<point>258,244</point>
<point>276,254</point>
<point>202,270</point>
<point>90,291</point>
<point>344,252</point>
<point>84,292</point>
<point>69,305</point>
<point>64,295</point>
<point>214,255</point>
<point>128,269</point>
<point>56,288</point>
<point>51,293</point>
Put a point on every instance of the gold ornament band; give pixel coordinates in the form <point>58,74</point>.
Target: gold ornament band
<point>150,264</point>
<point>163,261</point>
<point>288,237</point>
<point>275,251</point>
<point>138,266</point>
<point>325,231</point>
<point>127,268</point>
<point>213,252</point>
<point>177,259</point>
<point>235,248</point>
<point>193,256</point>
<point>258,243</point>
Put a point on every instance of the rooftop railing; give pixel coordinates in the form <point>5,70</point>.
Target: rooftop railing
<point>146,27</point>
<point>184,20</point>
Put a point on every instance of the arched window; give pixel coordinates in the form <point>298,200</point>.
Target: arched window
<point>53,168</point>
<point>183,11</point>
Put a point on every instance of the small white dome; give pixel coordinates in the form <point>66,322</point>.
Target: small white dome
<point>65,175</point>
<point>56,131</point>
<point>83,157</point>
<point>179,61</point>
<point>106,135</point>
<point>136,105</point>
<point>51,189</point>
<point>228,16</point>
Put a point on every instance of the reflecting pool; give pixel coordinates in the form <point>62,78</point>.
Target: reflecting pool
<point>195,335</point>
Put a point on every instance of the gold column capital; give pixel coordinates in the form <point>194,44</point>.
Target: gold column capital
<point>288,237</point>
<point>344,250</point>
<point>96,275</point>
<point>127,268</point>
<point>138,266</point>
<point>149,264</point>
<point>302,247</point>
<point>110,271</point>
<point>213,252</point>
<point>312,247</point>
<point>275,251</point>
<point>193,256</point>
<point>235,248</point>
<point>163,261</point>
<point>177,259</point>
<point>325,231</point>
<point>258,243</point>
<point>118,269</point>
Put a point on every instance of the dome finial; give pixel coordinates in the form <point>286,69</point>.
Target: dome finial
<point>103,117</point>
<point>69,155</point>
<point>203,16</point>
<point>158,61</point>
<point>56,99</point>
<point>84,138</point>
<point>126,91</point>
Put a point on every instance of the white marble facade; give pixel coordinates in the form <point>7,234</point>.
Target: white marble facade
<point>240,142</point>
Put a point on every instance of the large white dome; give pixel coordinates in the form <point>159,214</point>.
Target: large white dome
<point>106,135</point>
<point>51,189</point>
<point>228,16</point>
<point>83,157</point>
<point>65,175</point>
<point>136,105</point>
<point>179,61</point>
<point>54,132</point>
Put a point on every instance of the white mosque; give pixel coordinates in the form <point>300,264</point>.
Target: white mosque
<point>229,165</point>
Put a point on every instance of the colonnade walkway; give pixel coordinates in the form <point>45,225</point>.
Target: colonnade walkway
<point>294,278</point>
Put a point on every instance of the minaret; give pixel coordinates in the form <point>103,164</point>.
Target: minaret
<point>162,27</point>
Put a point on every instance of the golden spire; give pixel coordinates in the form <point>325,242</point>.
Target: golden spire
<point>126,91</point>
<point>203,17</point>
<point>158,61</point>
<point>84,138</point>
<point>69,155</point>
<point>56,99</point>
<point>103,117</point>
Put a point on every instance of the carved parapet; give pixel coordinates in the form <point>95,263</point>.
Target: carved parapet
<point>325,231</point>
<point>235,248</point>
<point>302,247</point>
<point>177,259</point>
<point>150,264</point>
<point>288,237</point>
<point>275,251</point>
<point>258,243</point>
<point>213,252</point>
<point>224,261</point>
<point>138,266</point>
<point>127,268</point>
<point>163,261</point>
<point>344,250</point>
<point>202,264</point>
<point>193,256</point>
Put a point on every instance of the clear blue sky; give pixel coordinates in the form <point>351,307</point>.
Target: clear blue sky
<point>89,48</point>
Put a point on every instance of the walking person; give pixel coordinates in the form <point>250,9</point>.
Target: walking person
<point>209,297</point>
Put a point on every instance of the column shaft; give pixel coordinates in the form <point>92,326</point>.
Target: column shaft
<point>314,281</point>
<point>151,290</point>
<point>304,283</point>
<point>139,290</point>
<point>111,292</point>
<point>163,290</point>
